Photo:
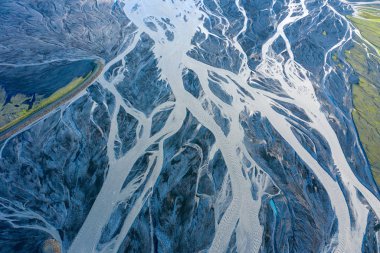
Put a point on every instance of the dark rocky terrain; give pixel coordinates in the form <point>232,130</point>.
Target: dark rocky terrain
<point>216,126</point>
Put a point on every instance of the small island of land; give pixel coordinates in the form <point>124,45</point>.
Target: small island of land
<point>50,89</point>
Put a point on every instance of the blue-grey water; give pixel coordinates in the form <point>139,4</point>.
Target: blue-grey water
<point>42,79</point>
<point>216,126</point>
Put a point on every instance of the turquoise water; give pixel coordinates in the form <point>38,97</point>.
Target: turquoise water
<point>273,206</point>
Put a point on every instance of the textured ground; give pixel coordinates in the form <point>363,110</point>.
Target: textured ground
<point>27,90</point>
<point>216,126</point>
<point>364,58</point>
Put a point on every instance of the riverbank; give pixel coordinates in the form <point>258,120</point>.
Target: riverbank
<point>365,59</point>
<point>49,104</point>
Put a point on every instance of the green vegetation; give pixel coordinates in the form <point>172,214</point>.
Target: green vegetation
<point>16,111</point>
<point>367,119</point>
<point>368,23</point>
<point>12,109</point>
<point>366,94</point>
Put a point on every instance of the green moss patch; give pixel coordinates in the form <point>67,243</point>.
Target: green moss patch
<point>368,23</point>
<point>366,94</point>
<point>19,108</point>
